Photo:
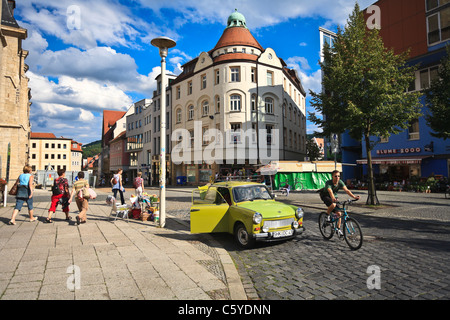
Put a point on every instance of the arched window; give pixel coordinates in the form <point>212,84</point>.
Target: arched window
<point>269,105</point>
<point>178,115</point>
<point>191,112</point>
<point>235,102</point>
<point>205,108</point>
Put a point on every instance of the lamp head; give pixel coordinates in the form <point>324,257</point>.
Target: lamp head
<point>164,44</point>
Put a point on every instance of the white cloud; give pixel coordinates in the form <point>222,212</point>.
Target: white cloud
<point>101,21</point>
<point>257,12</point>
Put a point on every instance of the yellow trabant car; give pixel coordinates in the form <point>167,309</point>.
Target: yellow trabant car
<point>247,210</point>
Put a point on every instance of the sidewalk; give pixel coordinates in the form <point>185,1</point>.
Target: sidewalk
<point>110,260</point>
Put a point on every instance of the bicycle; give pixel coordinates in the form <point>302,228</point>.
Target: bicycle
<point>298,182</point>
<point>351,229</point>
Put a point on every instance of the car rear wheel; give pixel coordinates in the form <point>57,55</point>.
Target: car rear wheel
<point>242,237</point>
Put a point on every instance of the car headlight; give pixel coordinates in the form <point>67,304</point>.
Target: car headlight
<point>265,229</point>
<point>295,224</point>
<point>257,218</point>
<point>299,213</point>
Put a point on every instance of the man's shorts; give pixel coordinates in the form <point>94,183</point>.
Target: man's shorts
<point>327,200</point>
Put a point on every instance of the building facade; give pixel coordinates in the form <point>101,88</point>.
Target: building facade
<point>15,95</point>
<point>47,152</point>
<point>423,27</point>
<point>236,88</point>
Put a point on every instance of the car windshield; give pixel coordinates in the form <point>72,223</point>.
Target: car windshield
<point>250,193</point>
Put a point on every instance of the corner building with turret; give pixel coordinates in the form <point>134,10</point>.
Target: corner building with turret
<point>233,88</point>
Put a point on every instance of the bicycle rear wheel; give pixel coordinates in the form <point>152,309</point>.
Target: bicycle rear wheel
<point>325,227</point>
<point>353,234</point>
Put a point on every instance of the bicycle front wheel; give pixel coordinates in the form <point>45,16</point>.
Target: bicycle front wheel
<point>325,227</point>
<point>353,234</point>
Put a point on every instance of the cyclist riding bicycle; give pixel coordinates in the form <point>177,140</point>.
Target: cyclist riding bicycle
<point>329,192</point>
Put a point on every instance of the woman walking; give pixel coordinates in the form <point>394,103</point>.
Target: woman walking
<point>117,186</point>
<point>24,194</point>
<point>139,185</point>
<point>82,203</point>
<point>60,195</point>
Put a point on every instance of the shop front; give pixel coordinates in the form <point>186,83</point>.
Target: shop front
<point>396,168</point>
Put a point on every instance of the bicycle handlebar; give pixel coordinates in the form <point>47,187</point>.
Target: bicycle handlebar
<point>348,201</point>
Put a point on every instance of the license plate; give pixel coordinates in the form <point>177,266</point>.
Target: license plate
<point>281,234</point>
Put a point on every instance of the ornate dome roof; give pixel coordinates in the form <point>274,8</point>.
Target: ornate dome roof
<point>236,19</point>
<point>237,34</point>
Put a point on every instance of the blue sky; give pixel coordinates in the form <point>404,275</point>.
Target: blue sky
<point>88,56</point>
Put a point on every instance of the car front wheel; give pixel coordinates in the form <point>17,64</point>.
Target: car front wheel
<point>242,237</point>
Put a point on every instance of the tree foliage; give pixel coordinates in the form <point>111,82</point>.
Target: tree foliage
<point>365,86</point>
<point>313,150</point>
<point>438,101</point>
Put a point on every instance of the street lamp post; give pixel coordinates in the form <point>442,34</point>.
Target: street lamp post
<point>163,43</point>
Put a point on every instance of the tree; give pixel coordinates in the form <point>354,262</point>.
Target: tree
<point>313,150</point>
<point>438,101</point>
<point>365,86</point>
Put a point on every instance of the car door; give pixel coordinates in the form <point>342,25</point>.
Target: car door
<point>210,214</point>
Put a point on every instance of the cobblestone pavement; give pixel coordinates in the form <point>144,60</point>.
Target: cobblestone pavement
<point>406,244</point>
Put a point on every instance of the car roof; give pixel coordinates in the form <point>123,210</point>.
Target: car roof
<point>234,184</point>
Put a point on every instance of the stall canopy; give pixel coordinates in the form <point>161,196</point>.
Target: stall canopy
<point>300,175</point>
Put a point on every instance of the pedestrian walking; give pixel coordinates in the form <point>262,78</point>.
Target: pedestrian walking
<point>82,203</point>
<point>117,186</point>
<point>60,194</point>
<point>138,185</point>
<point>24,194</point>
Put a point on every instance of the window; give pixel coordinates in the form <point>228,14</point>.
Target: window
<point>427,76</point>
<point>433,4</point>
<point>438,26</point>
<point>205,108</point>
<point>178,92</point>
<point>235,74</point>
<point>253,74</point>
<point>269,78</point>
<point>413,130</point>
<point>217,76</point>
<point>191,112</point>
<point>235,103</point>
<point>217,104</point>
<point>205,137</point>
<point>191,134</point>
<point>253,103</point>
<point>269,105</point>
<point>33,156</point>
<point>178,115</point>
<point>236,132</point>
<point>33,145</point>
<point>269,129</point>
<point>46,145</point>
<point>203,81</point>
<point>189,86</point>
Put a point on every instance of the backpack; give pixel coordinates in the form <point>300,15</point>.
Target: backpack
<point>114,181</point>
<point>137,182</point>
<point>58,188</point>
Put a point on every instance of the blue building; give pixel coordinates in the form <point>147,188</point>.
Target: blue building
<point>423,28</point>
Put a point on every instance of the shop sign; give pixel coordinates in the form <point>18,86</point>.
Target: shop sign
<point>399,151</point>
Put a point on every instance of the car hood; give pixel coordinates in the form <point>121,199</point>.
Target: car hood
<point>268,208</point>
